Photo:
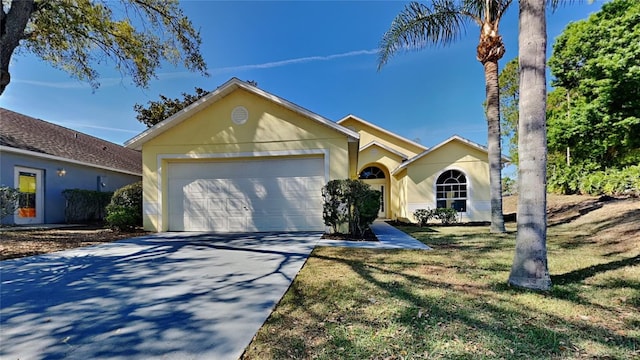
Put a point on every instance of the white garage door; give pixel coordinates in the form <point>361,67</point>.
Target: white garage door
<point>246,196</point>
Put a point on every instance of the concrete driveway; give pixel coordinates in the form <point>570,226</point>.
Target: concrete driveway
<point>167,296</point>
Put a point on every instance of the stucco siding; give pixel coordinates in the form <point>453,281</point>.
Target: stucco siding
<point>387,161</point>
<point>369,134</point>
<point>421,177</point>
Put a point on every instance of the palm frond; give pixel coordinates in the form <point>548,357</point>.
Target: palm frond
<point>419,25</point>
<point>555,4</point>
<point>440,23</point>
<point>486,11</point>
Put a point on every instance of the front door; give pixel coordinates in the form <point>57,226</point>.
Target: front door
<point>30,202</point>
<point>382,212</point>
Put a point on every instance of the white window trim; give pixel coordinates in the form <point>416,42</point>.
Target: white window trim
<point>469,190</point>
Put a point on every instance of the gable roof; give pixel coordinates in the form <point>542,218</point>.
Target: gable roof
<point>30,136</point>
<point>429,151</point>
<point>385,147</point>
<point>378,128</point>
<point>222,91</point>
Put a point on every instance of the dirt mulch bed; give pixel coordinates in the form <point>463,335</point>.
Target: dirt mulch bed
<point>367,236</point>
<point>17,243</point>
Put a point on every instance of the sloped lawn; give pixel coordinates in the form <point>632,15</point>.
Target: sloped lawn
<point>453,302</point>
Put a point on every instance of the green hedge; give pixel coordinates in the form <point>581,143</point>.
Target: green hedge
<point>85,206</point>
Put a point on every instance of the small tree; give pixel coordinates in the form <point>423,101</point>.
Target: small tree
<point>366,204</point>
<point>8,201</point>
<point>334,207</point>
<point>350,202</point>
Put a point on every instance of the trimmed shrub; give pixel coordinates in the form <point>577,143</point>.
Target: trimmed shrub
<point>446,215</point>
<point>423,216</point>
<point>124,212</point>
<point>85,206</point>
<point>8,201</point>
<point>123,218</point>
<point>367,208</point>
<point>349,202</point>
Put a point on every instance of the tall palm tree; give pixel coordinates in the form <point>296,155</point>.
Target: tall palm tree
<point>529,269</point>
<point>442,23</point>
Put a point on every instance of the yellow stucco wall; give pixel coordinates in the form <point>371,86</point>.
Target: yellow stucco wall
<point>369,134</point>
<point>383,158</point>
<point>387,161</point>
<point>421,176</point>
<point>270,129</point>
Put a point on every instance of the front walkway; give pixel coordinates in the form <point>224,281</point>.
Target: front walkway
<point>388,238</point>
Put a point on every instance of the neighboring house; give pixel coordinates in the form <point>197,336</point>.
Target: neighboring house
<point>242,159</point>
<point>42,159</point>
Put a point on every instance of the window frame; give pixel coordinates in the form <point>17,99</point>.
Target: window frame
<point>380,174</point>
<point>452,184</point>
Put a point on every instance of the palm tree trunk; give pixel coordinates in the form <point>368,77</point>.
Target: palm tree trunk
<point>529,269</point>
<point>495,152</point>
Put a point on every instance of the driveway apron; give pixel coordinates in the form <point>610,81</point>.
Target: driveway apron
<point>166,296</point>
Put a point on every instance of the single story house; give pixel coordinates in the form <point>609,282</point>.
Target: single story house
<point>42,159</point>
<point>242,159</point>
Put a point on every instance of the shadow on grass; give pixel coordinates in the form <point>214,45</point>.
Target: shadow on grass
<point>477,242</point>
<point>482,315</point>
<point>584,273</point>
<point>581,209</point>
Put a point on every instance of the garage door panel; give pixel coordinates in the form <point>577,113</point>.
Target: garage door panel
<point>218,223</point>
<point>238,206</point>
<point>268,223</point>
<point>236,196</point>
<point>301,223</point>
<point>195,208</point>
<point>195,223</point>
<point>238,224</point>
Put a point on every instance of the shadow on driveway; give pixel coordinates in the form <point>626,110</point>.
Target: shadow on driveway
<point>169,296</point>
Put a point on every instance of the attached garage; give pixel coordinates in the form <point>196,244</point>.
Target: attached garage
<point>246,195</point>
<point>241,160</point>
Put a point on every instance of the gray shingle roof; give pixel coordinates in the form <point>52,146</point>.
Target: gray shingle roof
<point>26,133</point>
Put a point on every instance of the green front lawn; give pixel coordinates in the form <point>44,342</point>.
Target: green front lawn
<point>453,302</point>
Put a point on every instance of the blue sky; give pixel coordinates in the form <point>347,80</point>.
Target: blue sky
<point>320,55</point>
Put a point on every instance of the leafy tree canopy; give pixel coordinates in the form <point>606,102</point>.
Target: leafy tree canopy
<point>76,35</point>
<point>595,108</point>
<point>509,80</point>
<point>157,111</point>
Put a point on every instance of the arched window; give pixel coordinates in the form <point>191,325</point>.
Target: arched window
<point>371,172</point>
<point>451,190</point>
